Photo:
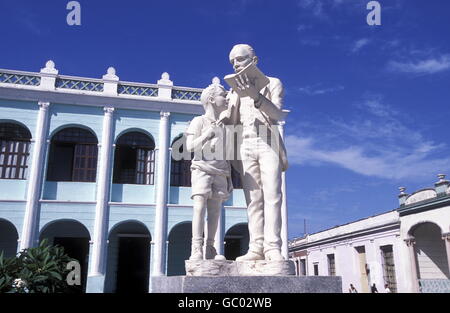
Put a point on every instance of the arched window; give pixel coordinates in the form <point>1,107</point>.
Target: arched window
<point>134,161</point>
<point>180,170</point>
<point>14,151</point>
<point>73,156</point>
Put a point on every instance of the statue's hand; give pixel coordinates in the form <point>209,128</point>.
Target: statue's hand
<point>245,85</point>
<point>210,132</point>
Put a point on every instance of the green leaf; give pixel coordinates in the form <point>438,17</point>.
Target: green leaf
<point>56,275</point>
<point>40,278</point>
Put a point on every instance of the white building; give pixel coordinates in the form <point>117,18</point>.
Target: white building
<point>87,164</point>
<point>407,248</point>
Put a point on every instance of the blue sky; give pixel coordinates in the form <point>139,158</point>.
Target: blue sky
<point>369,103</point>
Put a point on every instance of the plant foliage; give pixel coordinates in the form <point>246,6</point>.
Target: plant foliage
<point>35,270</point>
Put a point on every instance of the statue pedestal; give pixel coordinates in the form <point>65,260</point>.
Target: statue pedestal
<point>211,276</point>
<point>245,268</point>
<point>247,284</point>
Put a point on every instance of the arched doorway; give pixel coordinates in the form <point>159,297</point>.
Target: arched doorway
<point>431,255</point>
<point>179,248</point>
<point>128,263</point>
<point>236,241</point>
<point>8,239</point>
<point>74,238</point>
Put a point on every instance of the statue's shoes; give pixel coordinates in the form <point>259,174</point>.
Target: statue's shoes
<point>250,256</point>
<point>210,252</point>
<point>220,257</point>
<point>273,255</point>
<point>197,254</point>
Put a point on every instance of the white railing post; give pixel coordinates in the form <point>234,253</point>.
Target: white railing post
<point>48,76</point>
<point>165,86</point>
<point>110,82</point>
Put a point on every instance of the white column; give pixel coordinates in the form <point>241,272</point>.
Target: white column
<point>161,197</point>
<point>101,210</point>
<point>446,238</point>
<point>284,210</point>
<point>410,242</point>
<point>35,178</point>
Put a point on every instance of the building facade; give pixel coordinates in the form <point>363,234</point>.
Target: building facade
<point>86,163</point>
<point>407,248</point>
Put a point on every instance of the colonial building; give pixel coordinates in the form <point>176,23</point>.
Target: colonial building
<point>87,164</point>
<point>407,248</point>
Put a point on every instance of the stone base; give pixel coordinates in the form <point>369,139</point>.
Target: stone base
<point>247,284</point>
<point>244,268</point>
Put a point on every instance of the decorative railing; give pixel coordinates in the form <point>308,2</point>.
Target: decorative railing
<point>48,79</point>
<point>18,78</point>
<point>186,94</point>
<point>434,285</point>
<point>137,90</point>
<point>78,84</point>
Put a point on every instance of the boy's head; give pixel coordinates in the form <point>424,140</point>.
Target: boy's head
<point>214,95</point>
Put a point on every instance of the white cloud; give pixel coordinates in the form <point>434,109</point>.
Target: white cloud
<point>316,7</point>
<point>396,164</point>
<point>428,66</point>
<point>380,145</point>
<point>359,44</point>
<point>310,42</point>
<point>317,90</point>
<point>303,27</point>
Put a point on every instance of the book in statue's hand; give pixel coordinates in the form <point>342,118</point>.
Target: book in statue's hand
<point>254,75</point>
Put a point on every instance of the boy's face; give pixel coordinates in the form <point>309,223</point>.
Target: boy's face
<point>221,100</point>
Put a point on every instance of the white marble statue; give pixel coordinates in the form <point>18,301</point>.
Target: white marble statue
<point>261,149</point>
<point>211,181</point>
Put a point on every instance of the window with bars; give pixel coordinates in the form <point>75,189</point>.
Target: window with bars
<point>14,151</point>
<point>180,173</point>
<point>134,161</point>
<point>73,156</point>
<point>180,170</point>
<point>331,265</point>
<point>389,267</point>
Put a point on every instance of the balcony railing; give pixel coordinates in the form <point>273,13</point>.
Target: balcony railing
<point>137,90</point>
<point>186,94</point>
<point>19,78</point>
<point>48,79</point>
<point>79,84</point>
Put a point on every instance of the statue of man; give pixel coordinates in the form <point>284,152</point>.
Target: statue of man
<point>258,111</point>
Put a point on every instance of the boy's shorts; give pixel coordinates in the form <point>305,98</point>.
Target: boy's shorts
<point>208,185</point>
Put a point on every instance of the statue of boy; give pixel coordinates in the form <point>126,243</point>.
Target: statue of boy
<point>211,172</point>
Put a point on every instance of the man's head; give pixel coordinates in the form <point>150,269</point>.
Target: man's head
<point>242,55</point>
<point>214,95</point>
